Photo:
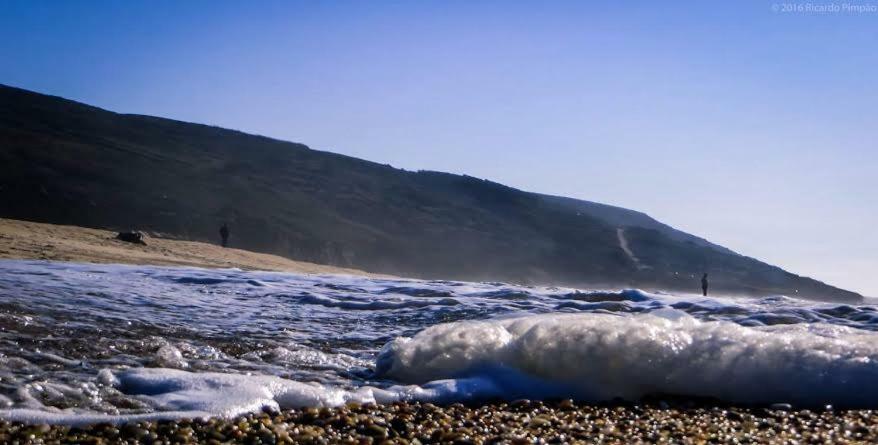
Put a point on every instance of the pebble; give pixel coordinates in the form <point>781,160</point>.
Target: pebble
<point>781,406</point>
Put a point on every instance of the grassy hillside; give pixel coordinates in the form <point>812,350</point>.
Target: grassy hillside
<point>69,163</point>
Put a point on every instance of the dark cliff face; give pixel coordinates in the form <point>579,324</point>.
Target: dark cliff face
<point>69,163</point>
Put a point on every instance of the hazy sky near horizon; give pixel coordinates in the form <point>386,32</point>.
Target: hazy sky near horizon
<point>750,126</point>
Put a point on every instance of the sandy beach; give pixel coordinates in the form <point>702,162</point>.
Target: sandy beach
<point>38,241</point>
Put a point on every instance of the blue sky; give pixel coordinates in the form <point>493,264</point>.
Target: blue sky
<point>751,127</point>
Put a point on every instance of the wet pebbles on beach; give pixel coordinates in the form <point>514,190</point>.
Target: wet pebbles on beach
<point>517,422</point>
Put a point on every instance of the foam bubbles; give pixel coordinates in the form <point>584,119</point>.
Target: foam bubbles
<point>600,357</point>
<point>144,342</point>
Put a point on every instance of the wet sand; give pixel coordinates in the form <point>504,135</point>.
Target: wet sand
<point>30,240</point>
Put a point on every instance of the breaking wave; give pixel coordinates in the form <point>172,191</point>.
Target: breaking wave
<point>88,343</point>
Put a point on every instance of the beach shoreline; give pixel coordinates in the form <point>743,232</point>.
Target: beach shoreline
<point>517,422</point>
<point>40,241</point>
<point>667,420</point>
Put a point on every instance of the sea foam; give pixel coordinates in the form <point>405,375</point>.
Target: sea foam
<point>173,394</point>
<point>590,357</point>
<point>88,343</point>
<point>601,357</point>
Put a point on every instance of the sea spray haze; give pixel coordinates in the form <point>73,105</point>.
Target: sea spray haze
<point>86,343</point>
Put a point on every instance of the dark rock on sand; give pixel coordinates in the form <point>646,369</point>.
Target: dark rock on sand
<point>132,237</point>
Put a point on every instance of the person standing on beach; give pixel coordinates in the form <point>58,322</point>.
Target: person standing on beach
<point>704,284</point>
<point>224,234</point>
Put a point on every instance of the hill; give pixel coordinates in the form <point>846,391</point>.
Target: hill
<point>64,162</point>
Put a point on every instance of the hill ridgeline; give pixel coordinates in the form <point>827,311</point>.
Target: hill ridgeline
<point>65,162</point>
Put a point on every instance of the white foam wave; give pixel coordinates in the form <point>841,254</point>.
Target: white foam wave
<point>325,328</point>
<point>600,357</point>
<point>175,394</point>
<point>583,356</point>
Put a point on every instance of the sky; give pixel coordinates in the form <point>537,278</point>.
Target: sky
<point>752,124</point>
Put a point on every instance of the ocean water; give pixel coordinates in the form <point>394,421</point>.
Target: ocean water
<point>86,343</point>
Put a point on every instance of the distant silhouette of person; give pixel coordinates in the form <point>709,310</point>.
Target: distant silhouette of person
<point>704,284</point>
<point>224,234</point>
